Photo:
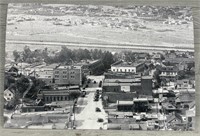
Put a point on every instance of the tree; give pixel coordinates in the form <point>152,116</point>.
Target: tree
<point>27,54</point>
<point>16,55</point>
<point>107,59</point>
<point>64,55</point>
<point>157,78</point>
<point>74,94</point>
<point>181,74</point>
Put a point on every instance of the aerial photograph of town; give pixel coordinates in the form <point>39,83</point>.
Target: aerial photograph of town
<point>99,67</point>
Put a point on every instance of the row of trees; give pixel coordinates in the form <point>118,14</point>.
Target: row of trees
<point>64,56</point>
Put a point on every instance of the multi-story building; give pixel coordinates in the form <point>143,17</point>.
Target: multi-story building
<point>68,75</point>
<point>126,67</point>
<point>89,67</point>
<point>169,72</point>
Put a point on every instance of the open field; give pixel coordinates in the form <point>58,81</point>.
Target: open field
<point>81,29</point>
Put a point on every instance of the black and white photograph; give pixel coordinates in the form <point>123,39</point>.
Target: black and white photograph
<point>100,67</point>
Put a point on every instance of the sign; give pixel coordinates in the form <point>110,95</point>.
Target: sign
<point>125,88</point>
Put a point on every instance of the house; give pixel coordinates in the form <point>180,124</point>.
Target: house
<point>127,67</point>
<point>9,94</point>
<point>13,69</point>
<point>174,121</point>
<point>68,75</point>
<point>157,56</point>
<point>184,84</point>
<point>168,107</point>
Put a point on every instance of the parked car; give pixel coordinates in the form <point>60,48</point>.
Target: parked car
<point>100,83</point>
<point>100,120</point>
<point>98,109</point>
<point>83,93</point>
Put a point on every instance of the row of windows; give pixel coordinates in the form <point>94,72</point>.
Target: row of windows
<point>169,73</point>
<point>64,76</point>
<point>64,72</point>
<point>56,98</point>
<point>126,70</point>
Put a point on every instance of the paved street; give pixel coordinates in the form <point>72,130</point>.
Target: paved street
<point>86,116</point>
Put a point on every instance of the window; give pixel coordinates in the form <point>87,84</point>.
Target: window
<point>64,72</point>
<point>9,94</point>
<point>56,72</point>
<point>72,76</point>
<point>129,70</point>
<point>72,72</point>
<point>65,76</point>
<point>56,76</point>
<point>113,69</point>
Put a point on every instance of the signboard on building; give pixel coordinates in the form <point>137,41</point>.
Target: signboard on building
<point>125,88</point>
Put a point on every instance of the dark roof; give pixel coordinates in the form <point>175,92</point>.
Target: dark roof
<point>136,80</point>
<point>178,60</point>
<point>186,97</point>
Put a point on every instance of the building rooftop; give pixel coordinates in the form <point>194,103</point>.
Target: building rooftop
<point>121,113</point>
<point>122,80</point>
<point>121,84</point>
<point>140,99</point>
<point>52,65</point>
<point>146,77</point>
<point>126,64</point>
<point>69,67</point>
<point>125,102</point>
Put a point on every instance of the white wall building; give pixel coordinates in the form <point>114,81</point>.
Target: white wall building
<point>126,67</point>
